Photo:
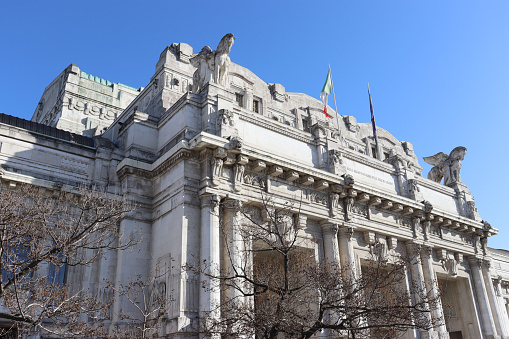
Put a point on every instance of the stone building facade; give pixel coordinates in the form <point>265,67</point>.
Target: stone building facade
<point>206,130</point>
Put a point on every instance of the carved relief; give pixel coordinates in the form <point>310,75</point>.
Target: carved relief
<point>416,225</point>
<point>255,180</point>
<point>349,203</point>
<point>238,170</point>
<point>336,162</point>
<point>217,170</point>
<point>414,191</point>
<point>225,117</point>
<point>360,209</point>
<point>334,204</point>
<point>319,198</point>
<point>236,142</point>
<point>426,229</point>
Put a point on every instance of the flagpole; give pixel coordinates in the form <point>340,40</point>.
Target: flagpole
<point>335,106</point>
<point>373,124</point>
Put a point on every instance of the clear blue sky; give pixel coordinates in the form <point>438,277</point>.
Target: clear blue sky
<point>438,70</point>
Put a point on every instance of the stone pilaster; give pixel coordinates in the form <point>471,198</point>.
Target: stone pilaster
<point>482,298</point>
<point>500,323</point>
<point>210,257</point>
<point>431,282</point>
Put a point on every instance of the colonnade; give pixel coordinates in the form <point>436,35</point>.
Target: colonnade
<point>339,252</point>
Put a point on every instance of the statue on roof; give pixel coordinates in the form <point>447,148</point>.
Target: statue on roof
<point>446,166</point>
<point>212,65</point>
<point>222,60</point>
<point>204,63</point>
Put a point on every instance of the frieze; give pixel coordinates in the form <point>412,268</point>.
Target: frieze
<point>436,231</point>
<point>319,198</point>
<point>255,180</point>
<point>360,210</point>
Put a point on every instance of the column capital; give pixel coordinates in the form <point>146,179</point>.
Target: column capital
<point>211,200</point>
<point>329,227</point>
<point>232,204</point>
<point>346,231</point>
<point>475,261</point>
<point>427,251</point>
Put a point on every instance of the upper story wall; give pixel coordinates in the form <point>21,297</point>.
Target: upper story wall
<point>178,104</point>
<point>82,103</point>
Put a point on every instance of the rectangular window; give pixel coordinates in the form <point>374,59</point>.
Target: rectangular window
<point>256,106</point>
<point>373,152</point>
<point>305,125</point>
<point>240,99</point>
<point>386,155</point>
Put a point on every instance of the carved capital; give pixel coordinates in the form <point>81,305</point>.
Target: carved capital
<point>346,232</point>
<point>232,204</point>
<point>211,201</point>
<point>427,252</point>
<point>331,228</point>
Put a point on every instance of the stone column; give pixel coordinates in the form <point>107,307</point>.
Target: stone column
<point>233,251</point>
<point>431,282</point>
<point>346,252</point>
<point>331,252</point>
<point>482,298</point>
<point>330,244</point>
<point>414,252</point>
<point>210,257</point>
<point>500,323</point>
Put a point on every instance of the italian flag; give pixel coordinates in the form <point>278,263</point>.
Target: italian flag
<point>326,90</point>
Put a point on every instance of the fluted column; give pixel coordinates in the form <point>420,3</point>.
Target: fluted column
<point>482,298</point>
<point>500,323</point>
<point>210,257</point>
<point>414,252</point>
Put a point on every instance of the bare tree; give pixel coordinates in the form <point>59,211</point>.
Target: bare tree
<point>42,233</point>
<point>273,284</point>
<point>150,300</point>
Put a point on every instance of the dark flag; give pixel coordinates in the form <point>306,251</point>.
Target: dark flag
<point>372,115</point>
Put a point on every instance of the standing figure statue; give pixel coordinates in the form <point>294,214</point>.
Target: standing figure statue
<point>204,62</point>
<point>212,65</point>
<point>222,60</point>
<point>446,166</point>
